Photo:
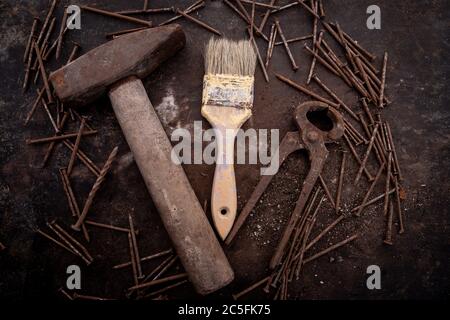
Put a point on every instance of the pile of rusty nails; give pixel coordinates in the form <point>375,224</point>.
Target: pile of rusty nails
<point>356,70</point>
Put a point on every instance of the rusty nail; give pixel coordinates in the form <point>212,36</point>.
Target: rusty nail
<point>47,35</point>
<point>399,208</point>
<point>269,45</point>
<point>66,191</point>
<point>146,11</point>
<point>321,10</point>
<point>85,297</point>
<point>148,258</point>
<point>367,111</point>
<point>49,114</point>
<point>358,46</point>
<point>306,91</point>
<point>58,137</point>
<point>159,281</point>
<point>166,267</point>
<point>68,296</point>
<point>95,188</point>
<point>239,12</point>
<point>30,39</point>
<point>75,49</point>
<point>340,183</point>
<point>388,238</point>
<point>28,69</point>
<point>200,23</point>
<point>395,157</point>
<point>259,4</point>
<point>45,235</point>
<point>106,226</point>
<point>36,103</point>
<point>133,259</point>
<point>61,34</point>
<point>195,6</point>
<point>251,288</point>
<point>135,247</point>
<point>378,150</point>
<point>158,268</point>
<point>316,43</point>
<point>327,191</point>
<point>252,20</point>
<point>355,132</point>
<point>260,60</point>
<point>287,6</point>
<point>372,186</point>
<point>266,17</point>
<point>383,135</point>
<point>83,158</point>
<point>286,45</point>
<point>79,117</point>
<point>75,148</point>
<point>374,200</point>
<point>296,39</point>
<point>126,31</point>
<point>327,65</point>
<point>43,73</point>
<point>116,15</point>
<point>331,248</point>
<point>346,48</point>
<point>324,232</point>
<point>69,244</point>
<point>352,134</point>
<point>383,80</point>
<point>355,155</point>
<point>275,34</point>
<point>269,282</point>
<point>72,200</point>
<point>388,183</point>
<point>334,61</point>
<point>68,236</point>
<point>302,3</point>
<point>299,263</point>
<point>165,289</point>
<point>47,19</point>
<point>365,77</point>
<point>366,155</point>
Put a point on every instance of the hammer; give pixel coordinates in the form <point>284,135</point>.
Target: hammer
<point>116,68</point>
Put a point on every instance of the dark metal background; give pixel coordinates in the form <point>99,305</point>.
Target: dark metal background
<point>415,33</point>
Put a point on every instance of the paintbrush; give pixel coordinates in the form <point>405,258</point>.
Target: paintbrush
<point>227,105</point>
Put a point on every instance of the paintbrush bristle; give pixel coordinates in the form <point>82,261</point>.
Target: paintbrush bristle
<point>224,56</point>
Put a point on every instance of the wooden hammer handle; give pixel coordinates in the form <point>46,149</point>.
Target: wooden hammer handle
<point>182,215</point>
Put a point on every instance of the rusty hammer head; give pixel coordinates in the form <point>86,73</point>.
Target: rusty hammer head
<point>136,54</point>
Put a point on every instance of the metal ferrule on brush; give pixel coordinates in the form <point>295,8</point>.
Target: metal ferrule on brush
<point>224,90</point>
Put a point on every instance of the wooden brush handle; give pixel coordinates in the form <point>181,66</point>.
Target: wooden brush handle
<point>223,197</point>
<point>224,194</point>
